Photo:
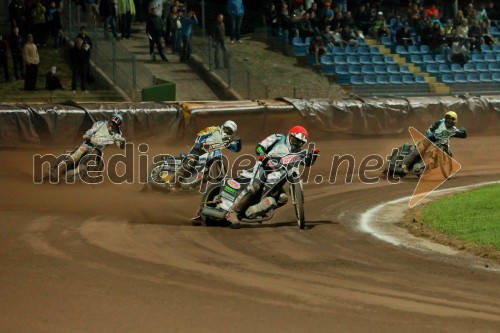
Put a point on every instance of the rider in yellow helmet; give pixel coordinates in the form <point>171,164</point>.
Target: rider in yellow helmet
<point>445,126</point>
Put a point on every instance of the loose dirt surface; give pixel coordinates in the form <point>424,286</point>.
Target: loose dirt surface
<point>114,258</point>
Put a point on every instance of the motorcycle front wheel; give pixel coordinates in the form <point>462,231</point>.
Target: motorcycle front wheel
<point>155,180</point>
<point>298,203</point>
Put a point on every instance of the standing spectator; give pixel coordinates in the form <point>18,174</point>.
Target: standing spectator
<point>236,10</point>
<point>39,23</point>
<point>87,46</point>
<point>92,11</point>
<point>187,32</point>
<point>17,14</point>
<point>126,10</point>
<point>4,55</point>
<point>16,43</point>
<point>175,28</point>
<point>219,41</point>
<point>107,10</point>
<point>272,21</point>
<point>54,23</point>
<point>155,30</point>
<point>32,60</point>
<point>86,39</point>
<point>285,23</point>
<point>79,64</point>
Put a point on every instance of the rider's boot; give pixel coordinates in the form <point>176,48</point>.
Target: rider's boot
<point>265,205</point>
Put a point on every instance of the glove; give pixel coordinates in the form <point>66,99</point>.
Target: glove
<point>121,144</point>
<point>462,129</point>
<point>316,151</point>
<point>262,157</point>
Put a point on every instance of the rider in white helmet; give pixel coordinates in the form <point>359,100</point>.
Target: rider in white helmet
<point>212,135</point>
<point>445,124</point>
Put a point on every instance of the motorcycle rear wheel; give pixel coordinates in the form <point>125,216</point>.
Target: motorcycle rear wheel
<point>207,200</point>
<point>445,164</point>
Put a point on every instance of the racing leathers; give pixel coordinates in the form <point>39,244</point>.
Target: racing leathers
<point>209,139</point>
<point>435,131</point>
<point>275,145</point>
<point>99,136</point>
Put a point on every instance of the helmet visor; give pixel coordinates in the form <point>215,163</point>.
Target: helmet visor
<point>449,117</point>
<point>227,130</point>
<point>295,142</point>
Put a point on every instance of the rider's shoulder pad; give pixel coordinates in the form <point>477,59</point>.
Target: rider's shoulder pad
<point>207,130</point>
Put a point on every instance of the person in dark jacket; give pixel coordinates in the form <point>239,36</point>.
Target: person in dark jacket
<point>219,41</point>
<point>16,42</point>
<point>4,55</point>
<point>107,10</point>
<point>155,30</point>
<point>80,60</point>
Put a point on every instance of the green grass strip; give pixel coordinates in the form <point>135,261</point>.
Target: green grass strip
<point>472,216</point>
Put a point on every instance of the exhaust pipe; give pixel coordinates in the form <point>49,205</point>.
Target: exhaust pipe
<point>212,212</point>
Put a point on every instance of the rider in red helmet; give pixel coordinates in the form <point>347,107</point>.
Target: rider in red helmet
<point>276,145</point>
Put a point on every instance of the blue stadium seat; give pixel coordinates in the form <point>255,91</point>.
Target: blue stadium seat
<point>432,69</point>
<point>498,57</point>
<point>354,69</point>
<point>473,77</point>
<point>428,59</point>
<point>342,70</point>
<point>307,41</point>
<point>496,48</point>
<point>470,67</point>
<point>352,60</point>
<point>456,68</point>
<point>370,79</point>
<point>380,69</point>
<point>416,59</point>
<point>490,57</point>
<point>494,31</point>
<point>386,41</point>
<point>408,79</point>
<point>440,59</point>
<point>382,79</point>
<point>401,50</point>
<point>447,78</point>
<point>420,79</point>
<point>496,77</point>
<point>395,79</point>
<point>349,50</point>
<point>444,69</point>
<point>339,60</point>
<point>361,41</point>
<point>374,50</point>
<point>485,77</point>
<point>425,49</point>
<point>357,79</point>
<point>486,49</point>
<point>326,60</point>
<point>393,69</point>
<point>494,67</point>
<point>367,69</point>
<point>364,50</point>
<point>298,41</point>
<point>413,50</point>
<point>460,78</point>
<point>482,67</point>
<point>337,50</point>
<point>378,60</point>
<point>477,57</point>
<point>389,60</point>
<point>300,50</point>
<point>404,69</point>
<point>365,60</point>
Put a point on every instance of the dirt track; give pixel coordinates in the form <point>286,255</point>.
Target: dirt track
<point>110,258</point>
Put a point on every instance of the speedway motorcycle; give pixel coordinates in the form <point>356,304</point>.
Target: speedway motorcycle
<point>437,155</point>
<point>210,167</point>
<point>219,200</point>
<point>90,161</point>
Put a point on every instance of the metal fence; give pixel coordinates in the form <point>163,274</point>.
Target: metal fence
<point>118,64</point>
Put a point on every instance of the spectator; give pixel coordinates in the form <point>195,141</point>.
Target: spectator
<point>79,59</point>
<point>426,34</point>
<point>4,55</point>
<point>286,24</point>
<point>349,36</point>
<point>175,28</point>
<point>32,60</point>
<point>305,27</point>
<point>439,43</point>
<point>187,34</point>
<point>52,80</point>
<point>488,39</point>
<point>317,47</point>
<point>326,15</point>
<point>482,15</point>
<point>414,16</point>
<point>107,10</point>
<point>475,35</point>
<point>155,30</point>
<point>377,24</point>
<point>39,23</point>
<point>54,24</point>
<point>342,5</point>
<point>459,53</point>
<point>462,32</point>
<point>449,30</point>
<point>16,43</point>
<point>457,21</point>
<point>432,11</point>
<point>403,36</point>
<point>362,18</point>
<point>219,42</point>
<point>86,38</point>
<point>17,14</point>
<point>92,10</point>
<point>272,19</point>
<point>126,10</point>
<point>349,20</point>
<point>236,10</point>
<point>493,13</point>
<point>383,31</point>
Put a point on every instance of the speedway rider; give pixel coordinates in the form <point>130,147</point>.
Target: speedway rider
<point>275,145</point>
<point>101,134</point>
<point>212,136</point>
<point>435,131</point>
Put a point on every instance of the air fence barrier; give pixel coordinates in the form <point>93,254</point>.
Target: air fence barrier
<point>42,124</point>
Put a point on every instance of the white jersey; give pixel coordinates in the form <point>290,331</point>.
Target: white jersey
<point>100,135</point>
<point>277,143</point>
